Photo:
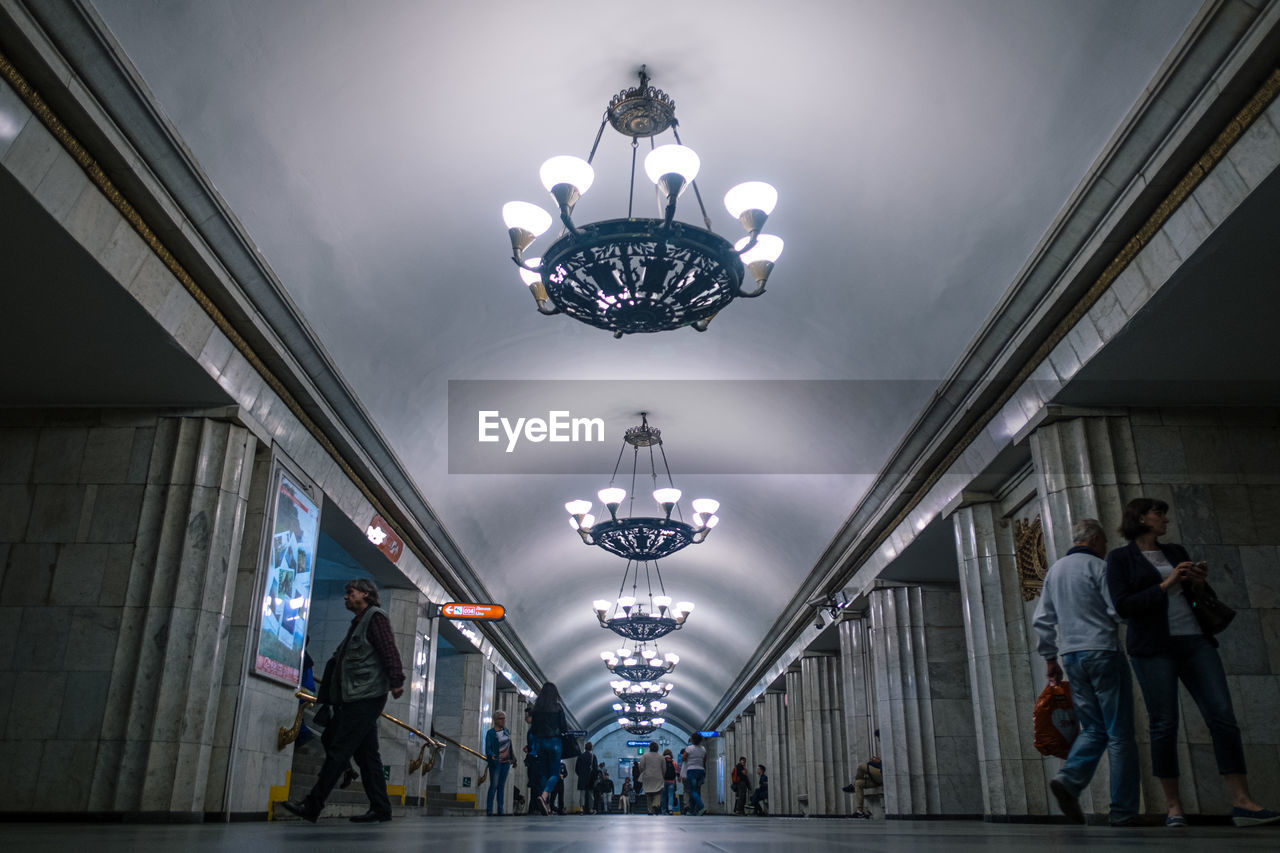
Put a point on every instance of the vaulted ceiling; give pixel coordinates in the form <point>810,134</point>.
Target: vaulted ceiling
<point>921,149</point>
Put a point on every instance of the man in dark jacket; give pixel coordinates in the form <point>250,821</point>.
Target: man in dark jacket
<point>585,768</point>
<point>366,666</point>
<point>741,778</point>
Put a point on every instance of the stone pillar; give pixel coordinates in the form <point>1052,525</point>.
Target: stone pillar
<point>927,731</point>
<point>772,710</point>
<point>1086,468</point>
<point>1005,674</point>
<point>157,732</point>
<point>796,753</point>
<point>760,742</point>
<point>511,703</point>
<point>860,705</point>
<point>824,735</point>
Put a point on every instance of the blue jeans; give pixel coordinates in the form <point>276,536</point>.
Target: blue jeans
<point>1194,662</point>
<point>497,786</point>
<point>694,788</point>
<point>668,797</point>
<point>1102,692</point>
<point>548,751</point>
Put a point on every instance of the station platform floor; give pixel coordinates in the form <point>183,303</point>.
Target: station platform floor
<point>623,834</point>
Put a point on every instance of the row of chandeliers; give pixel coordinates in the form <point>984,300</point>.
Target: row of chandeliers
<point>643,612</point>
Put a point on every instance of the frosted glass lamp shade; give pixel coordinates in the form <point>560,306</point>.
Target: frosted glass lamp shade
<point>671,159</point>
<point>526,217</point>
<point>567,169</point>
<point>600,605</point>
<point>666,496</point>
<point>611,496</point>
<point>767,248</point>
<point>752,195</point>
<point>685,607</point>
<point>578,507</point>
<point>707,506</point>
<point>529,277</point>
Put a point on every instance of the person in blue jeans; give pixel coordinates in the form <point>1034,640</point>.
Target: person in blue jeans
<point>1148,581</point>
<point>695,772</point>
<point>500,756</point>
<point>1077,628</point>
<point>547,726</point>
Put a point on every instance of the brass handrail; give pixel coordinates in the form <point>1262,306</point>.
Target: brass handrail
<point>480,755</point>
<point>286,736</point>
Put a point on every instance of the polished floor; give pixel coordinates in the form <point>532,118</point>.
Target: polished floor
<point>625,834</point>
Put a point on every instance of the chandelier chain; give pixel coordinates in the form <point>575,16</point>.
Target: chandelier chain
<point>631,190</point>
<point>599,133</point>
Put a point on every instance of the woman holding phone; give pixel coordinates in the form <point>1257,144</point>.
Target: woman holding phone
<point>1148,580</point>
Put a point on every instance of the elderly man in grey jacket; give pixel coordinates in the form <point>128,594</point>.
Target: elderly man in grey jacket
<point>1077,626</point>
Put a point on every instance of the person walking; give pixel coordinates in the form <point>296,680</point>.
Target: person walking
<point>651,765</point>
<point>365,667</point>
<point>1148,580</point>
<point>669,776</point>
<point>548,724</point>
<point>585,768</point>
<point>695,771</point>
<point>625,799</point>
<point>1078,630</point>
<point>499,755</point>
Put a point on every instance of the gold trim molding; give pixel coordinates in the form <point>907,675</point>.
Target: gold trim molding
<point>1029,553</point>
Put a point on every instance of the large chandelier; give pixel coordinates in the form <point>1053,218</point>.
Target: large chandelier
<point>629,617</point>
<point>641,725</point>
<point>642,538</point>
<point>638,274</point>
<point>639,665</point>
<point>641,693</point>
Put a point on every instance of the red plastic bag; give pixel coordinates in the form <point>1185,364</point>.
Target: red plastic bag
<point>1055,720</point>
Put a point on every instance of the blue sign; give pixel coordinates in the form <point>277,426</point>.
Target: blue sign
<point>637,743</point>
<point>709,734</point>
<point>576,733</point>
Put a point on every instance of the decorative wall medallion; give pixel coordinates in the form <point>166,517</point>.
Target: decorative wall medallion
<point>1028,542</point>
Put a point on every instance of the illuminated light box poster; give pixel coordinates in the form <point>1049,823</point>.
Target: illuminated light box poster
<point>291,559</point>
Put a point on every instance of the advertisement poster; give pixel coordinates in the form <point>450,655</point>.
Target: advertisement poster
<point>295,527</point>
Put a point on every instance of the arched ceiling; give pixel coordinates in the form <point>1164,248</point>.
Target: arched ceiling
<point>921,149</point>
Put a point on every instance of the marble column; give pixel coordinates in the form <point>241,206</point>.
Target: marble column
<point>858,682</point>
<point>1005,675</point>
<point>511,703</point>
<point>772,710</point>
<point>926,719</point>
<point>1087,468</point>
<point>157,733</point>
<point>824,733</point>
<point>796,753</point>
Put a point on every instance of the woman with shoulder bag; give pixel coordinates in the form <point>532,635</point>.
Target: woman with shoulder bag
<point>1149,583</point>
<point>547,725</point>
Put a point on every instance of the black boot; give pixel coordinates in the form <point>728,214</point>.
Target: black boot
<point>307,809</point>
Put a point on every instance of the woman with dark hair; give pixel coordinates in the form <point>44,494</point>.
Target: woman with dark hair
<point>1148,580</point>
<point>695,771</point>
<point>547,726</point>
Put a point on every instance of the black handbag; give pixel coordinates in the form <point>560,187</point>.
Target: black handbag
<point>1210,612</point>
<point>569,746</point>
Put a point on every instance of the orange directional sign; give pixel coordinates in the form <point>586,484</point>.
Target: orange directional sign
<point>487,612</point>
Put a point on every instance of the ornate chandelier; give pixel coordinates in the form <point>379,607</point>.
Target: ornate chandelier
<point>629,618</point>
<point>643,538</point>
<point>637,274</point>
<point>639,665</point>
<point>641,693</point>
<point>641,725</point>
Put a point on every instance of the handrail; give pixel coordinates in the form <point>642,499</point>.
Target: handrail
<point>464,748</point>
<point>286,736</point>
